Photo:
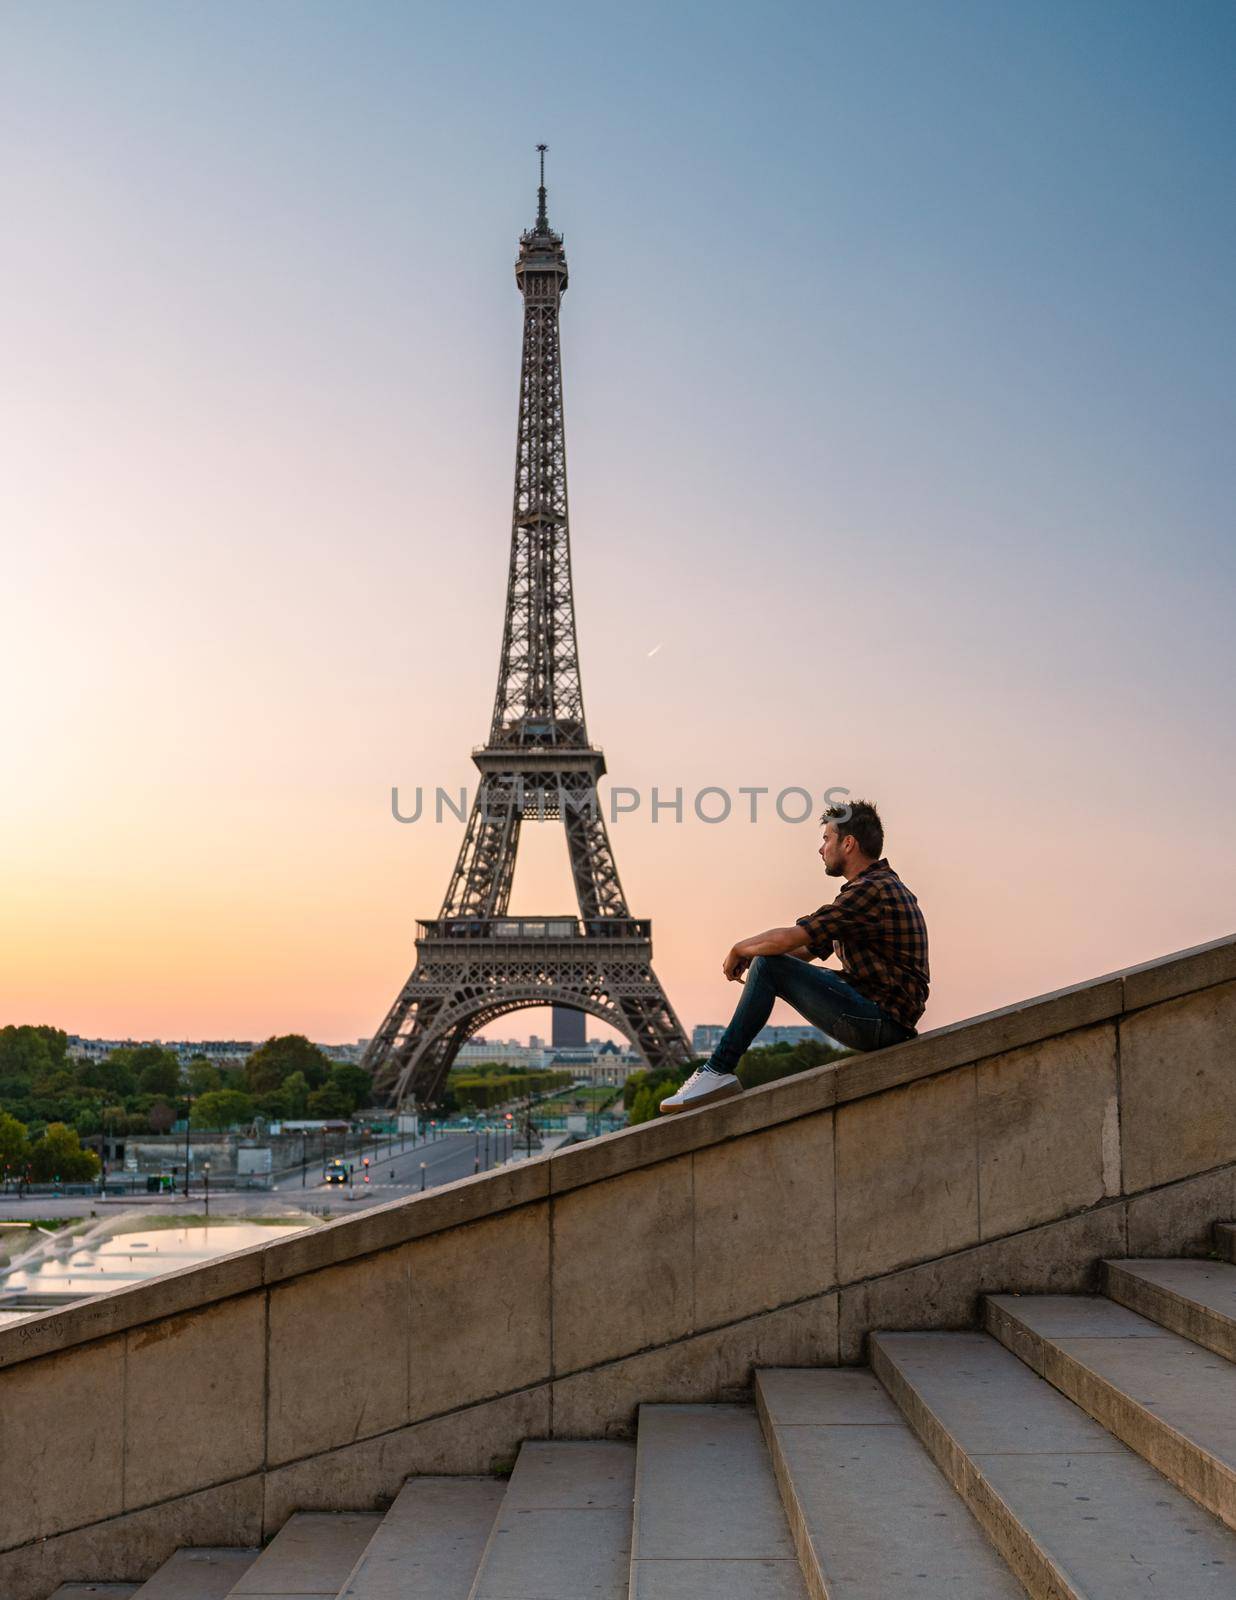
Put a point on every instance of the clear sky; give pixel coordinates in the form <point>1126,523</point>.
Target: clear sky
<point>899,352</point>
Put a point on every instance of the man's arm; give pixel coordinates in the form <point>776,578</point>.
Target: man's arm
<point>776,942</point>
<point>855,913</point>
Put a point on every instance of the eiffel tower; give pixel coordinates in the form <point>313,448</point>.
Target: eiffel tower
<point>474,962</point>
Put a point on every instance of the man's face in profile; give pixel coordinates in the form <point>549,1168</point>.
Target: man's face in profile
<point>831,853</point>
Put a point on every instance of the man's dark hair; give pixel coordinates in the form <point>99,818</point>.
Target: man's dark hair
<point>861,820</point>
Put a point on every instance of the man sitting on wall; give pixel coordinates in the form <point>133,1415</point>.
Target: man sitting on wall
<point>874,926</point>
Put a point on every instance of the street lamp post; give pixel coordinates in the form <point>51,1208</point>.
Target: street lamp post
<point>188,1121</point>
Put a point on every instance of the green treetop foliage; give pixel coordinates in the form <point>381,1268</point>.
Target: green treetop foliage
<point>160,1077</point>
<point>113,1077</point>
<point>279,1057</point>
<point>783,1060</point>
<point>295,1092</point>
<point>14,1145</point>
<point>354,1082</point>
<point>222,1108</point>
<point>161,1116</point>
<point>59,1155</point>
<point>329,1103</point>
<point>643,1092</point>
<point>468,1090</point>
<point>135,1069</point>
<point>202,1077</point>
<point>28,1054</point>
<point>271,1106</point>
<point>130,1092</point>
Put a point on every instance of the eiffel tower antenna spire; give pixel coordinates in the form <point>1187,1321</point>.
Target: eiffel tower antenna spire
<point>475,962</point>
<point>542,219</point>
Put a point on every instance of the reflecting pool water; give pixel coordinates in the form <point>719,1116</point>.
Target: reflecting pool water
<point>61,1268</point>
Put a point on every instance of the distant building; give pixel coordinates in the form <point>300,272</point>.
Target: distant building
<point>507,1052</point>
<point>220,1052</point>
<point>598,1061</point>
<point>97,1049</point>
<point>569,1029</point>
<point>344,1052</point>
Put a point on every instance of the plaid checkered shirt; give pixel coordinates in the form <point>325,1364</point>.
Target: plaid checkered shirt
<point>877,929</point>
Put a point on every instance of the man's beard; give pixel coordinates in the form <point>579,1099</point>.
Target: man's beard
<point>833,872</point>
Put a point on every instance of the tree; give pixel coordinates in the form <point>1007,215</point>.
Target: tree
<point>114,1075</point>
<point>161,1117</point>
<point>203,1077</point>
<point>25,1055</point>
<point>352,1081</point>
<point>222,1108</point>
<point>280,1057</point>
<point>56,1039</point>
<point>59,1155</point>
<point>158,1073</point>
<point>273,1105</point>
<point>14,1145</point>
<point>643,1092</point>
<point>783,1060</point>
<point>296,1095</point>
<point>329,1103</point>
<point>646,1107</point>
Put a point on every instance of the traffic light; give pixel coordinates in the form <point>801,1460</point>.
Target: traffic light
<point>366,1159</point>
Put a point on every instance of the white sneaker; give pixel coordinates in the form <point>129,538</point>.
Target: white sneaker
<point>701,1089</point>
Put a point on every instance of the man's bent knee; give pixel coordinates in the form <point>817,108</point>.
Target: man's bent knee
<point>773,968</point>
<point>767,965</point>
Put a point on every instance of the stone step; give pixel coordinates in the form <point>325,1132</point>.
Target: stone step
<point>204,1574</point>
<point>100,1591</point>
<point>1225,1239</point>
<point>430,1543</point>
<point>1196,1299</point>
<point>310,1558</point>
<point>1169,1399</point>
<point>563,1529</point>
<point>708,1522</point>
<point>841,1448</point>
<point>1076,1514</point>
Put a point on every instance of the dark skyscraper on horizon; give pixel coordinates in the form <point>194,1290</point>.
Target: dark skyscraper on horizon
<point>570,1029</point>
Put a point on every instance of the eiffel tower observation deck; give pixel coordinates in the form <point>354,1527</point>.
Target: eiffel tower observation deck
<point>474,961</point>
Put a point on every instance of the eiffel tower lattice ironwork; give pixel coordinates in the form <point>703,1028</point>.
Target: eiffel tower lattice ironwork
<point>475,962</point>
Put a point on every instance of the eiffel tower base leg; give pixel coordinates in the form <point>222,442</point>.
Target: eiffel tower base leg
<point>467,978</point>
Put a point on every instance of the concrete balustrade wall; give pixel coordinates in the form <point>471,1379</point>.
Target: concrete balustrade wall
<point>663,1263</point>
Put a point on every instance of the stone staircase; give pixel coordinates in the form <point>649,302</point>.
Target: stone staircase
<point>1080,1448</point>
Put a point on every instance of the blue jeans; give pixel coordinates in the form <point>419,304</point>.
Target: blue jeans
<point>823,997</point>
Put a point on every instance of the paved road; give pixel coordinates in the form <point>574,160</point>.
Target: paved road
<point>452,1156</point>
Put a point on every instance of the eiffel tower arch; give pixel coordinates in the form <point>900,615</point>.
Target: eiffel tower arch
<point>474,962</point>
